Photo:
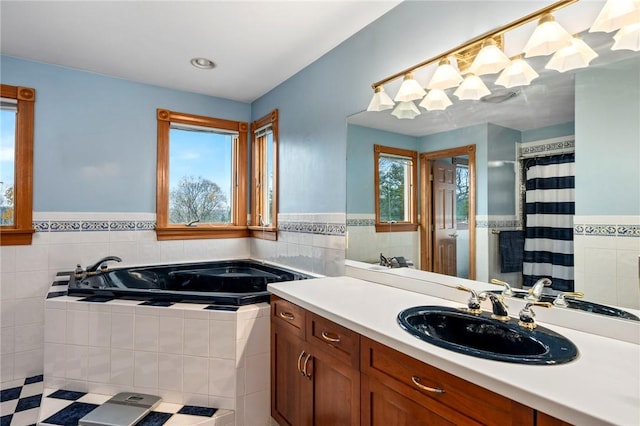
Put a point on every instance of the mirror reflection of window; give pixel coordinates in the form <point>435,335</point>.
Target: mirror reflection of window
<point>395,187</point>
<point>8,115</point>
<point>200,174</point>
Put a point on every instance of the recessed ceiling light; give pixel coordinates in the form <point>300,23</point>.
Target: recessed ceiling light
<point>203,63</point>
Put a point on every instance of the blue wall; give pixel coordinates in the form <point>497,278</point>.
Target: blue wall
<point>95,136</point>
<point>608,140</point>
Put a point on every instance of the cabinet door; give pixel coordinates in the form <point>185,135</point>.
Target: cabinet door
<point>383,406</point>
<point>333,386</point>
<point>287,355</point>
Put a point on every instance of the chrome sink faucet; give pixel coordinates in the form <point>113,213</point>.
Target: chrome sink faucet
<point>536,290</point>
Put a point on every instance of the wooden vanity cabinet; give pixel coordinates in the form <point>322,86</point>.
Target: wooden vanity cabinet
<point>400,390</point>
<point>314,369</point>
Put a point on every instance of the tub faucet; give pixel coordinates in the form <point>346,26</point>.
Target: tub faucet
<point>536,290</point>
<point>92,269</point>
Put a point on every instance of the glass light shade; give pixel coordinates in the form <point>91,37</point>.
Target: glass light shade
<point>406,110</point>
<point>578,55</point>
<point>547,38</point>
<point>518,73</point>
<point>472,88</point>
<point>410,90</point>
<point>489,60</point>
<point>616,14</point>
<point>380,101</point>
<point>436,100</point>
<point>446,76</point>
<point>627,38</point>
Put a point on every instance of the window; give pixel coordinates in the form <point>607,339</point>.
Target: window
<point>16,159</point>
<point>395,189</point>
<point>201,178</point>
<point>264,183</point>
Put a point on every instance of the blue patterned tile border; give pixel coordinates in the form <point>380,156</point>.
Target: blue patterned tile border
<point>320,228</point>
<point>607,230</point>
<point>499,223</point>
<point>93,225</point>
<point>361,222</point>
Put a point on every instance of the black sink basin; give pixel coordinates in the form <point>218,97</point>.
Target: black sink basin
<point>583,305</point>
<point>481,336</point>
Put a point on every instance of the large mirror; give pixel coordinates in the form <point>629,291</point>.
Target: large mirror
<point>556,113</point>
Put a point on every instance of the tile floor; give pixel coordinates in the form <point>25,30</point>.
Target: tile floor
<point>30,404</point>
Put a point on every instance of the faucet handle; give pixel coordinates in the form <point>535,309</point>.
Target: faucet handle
<point>507,288</point>
<point>474,301</point>
<point>559,301</point>
<point>527,315</point>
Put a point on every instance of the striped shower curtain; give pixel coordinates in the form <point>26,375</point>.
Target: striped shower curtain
<point>549,211</point>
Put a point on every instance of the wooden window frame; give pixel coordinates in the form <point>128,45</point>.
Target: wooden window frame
<point>238,227</point>
<point>21,232</point>
<point>412,223</point>
<point>258,160</point>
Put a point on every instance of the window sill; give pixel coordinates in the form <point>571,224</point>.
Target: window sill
<point>396,227</point>
<point>16,237</point>
<point>264,233</point>
<point>200,232</point>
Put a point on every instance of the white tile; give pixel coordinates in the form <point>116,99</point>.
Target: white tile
<point>259,339</point>
<point>28,363</point>
<point>256,409</point>
<point>194,399</point>
<point>94,398</point>
<point>6,367</point>
<point>146,333</point>
<point>30,310</point>
<point>170,335</point>
<point>121,367</point>
<point>146,369</point>
<point>257,373</point>
<point>170,369</point>
<point>8,407</point>
<point>50,406</point>
<point>99,329</point>
<point>7,285</point>
<point>7,259</point>
<point>28,337</point>
<point>171,251</point>
<point>222,402</point>
<point>99,365</point>
<point>54,360</point>
<point>32,283</point>
<point>31,258</point>
<point>77,327</point>
<point>77,362</point>
<point>222,373</point>
<point>25,418</point>
<point>55,325</point>
<point>222,339</point>
<point>168,407</point>
<point>31,389</point>
<point>195,377</point>
<point>122,330</point>
<point>196,333</point>
<point>7,313</point>
<point>6,340</point>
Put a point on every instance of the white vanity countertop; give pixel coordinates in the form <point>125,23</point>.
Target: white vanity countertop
<point>602,386</point>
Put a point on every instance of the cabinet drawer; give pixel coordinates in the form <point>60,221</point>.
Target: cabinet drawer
<point>285,312</point>
<point>336,339</point>
<point>424,383</point>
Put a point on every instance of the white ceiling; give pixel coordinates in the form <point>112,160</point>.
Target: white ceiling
<point>256,44</point>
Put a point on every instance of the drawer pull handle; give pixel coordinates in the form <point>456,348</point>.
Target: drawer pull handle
<point>299,366</point>
<point>304,368</point>
<point>287,315</point>
<point>328,338</point>
<point>416,381</point>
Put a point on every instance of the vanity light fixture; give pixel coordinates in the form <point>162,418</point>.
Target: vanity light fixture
<point>436,100</point>
<point>472,88</point>
<point>616,14</point>
<point>490,60</point>
<point>518,73</point>
<point>203,63</point>
<point>446,76</point>
<point>406,110</point>
<point>380,101</point>
<point>627,38</point>
<point>547,38</point>
<point>410,90</point>
<point>578,55</point>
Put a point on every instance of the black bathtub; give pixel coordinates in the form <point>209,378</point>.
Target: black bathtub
<point>228,282</point>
